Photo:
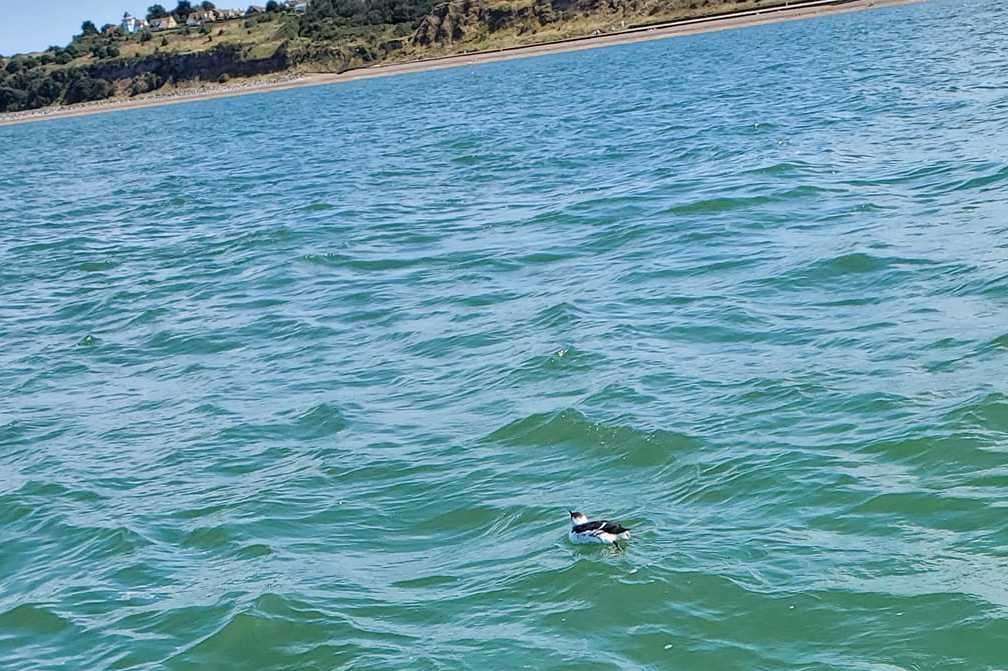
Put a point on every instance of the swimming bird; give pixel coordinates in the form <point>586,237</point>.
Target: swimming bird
<point>599,531</point>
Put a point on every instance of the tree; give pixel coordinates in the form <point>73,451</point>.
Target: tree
<point>88,28</point>
<point>19,63</point>
<point>272,6</point>
<point>208,6</point>
<point>84,88</point>
<point>183,9</point>
<point>11,99</point>
<point>42,90</point>
<point>156,12</point>
<point>145,83</point>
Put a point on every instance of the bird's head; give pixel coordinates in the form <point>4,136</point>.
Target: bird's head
<point>577,518</point>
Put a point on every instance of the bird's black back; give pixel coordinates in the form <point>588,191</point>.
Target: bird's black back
<point>600,525</point>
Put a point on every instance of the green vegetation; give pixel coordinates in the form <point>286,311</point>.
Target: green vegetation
<point>30,81</point>
<point>354,13</point>
<point>332,35</point>
<point>97,64</point>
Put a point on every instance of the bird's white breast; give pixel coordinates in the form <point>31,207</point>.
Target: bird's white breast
<point>591,537</point>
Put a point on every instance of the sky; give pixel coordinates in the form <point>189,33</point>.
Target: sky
<point>33,25</point>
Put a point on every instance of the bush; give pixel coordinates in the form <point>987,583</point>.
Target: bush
<point>164,41</point>
<point>145,36</point>
<point>11,99</point>
<point>323,14</point>
<point>19,63</point>
<point>85,89</point>
<point>224,78</point>
<point>145,83</point>
<point>41,89</point>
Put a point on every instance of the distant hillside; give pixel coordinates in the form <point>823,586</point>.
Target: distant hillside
<point>325,35</point>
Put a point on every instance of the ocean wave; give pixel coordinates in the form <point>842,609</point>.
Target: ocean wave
<point>34,619</point>
<point>631,447</point>
<point>988,413</point>
<point>319,421</point>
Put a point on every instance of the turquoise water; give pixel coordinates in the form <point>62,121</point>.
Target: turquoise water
<point>309,380</point>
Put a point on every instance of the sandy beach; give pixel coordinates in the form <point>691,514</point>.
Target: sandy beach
<point>285,81</point>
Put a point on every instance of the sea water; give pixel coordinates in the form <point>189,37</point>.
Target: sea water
<point>309,380</point>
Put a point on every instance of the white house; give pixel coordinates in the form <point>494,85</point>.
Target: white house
<point>131,24</point>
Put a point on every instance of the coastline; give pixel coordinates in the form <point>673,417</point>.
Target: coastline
<point>286,81</point>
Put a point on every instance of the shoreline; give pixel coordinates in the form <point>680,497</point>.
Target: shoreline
<point>286,81</point>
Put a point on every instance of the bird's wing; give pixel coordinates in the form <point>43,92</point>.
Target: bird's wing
<point>590,527</point>
<point>599,527</point>
<point>613,527</point>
